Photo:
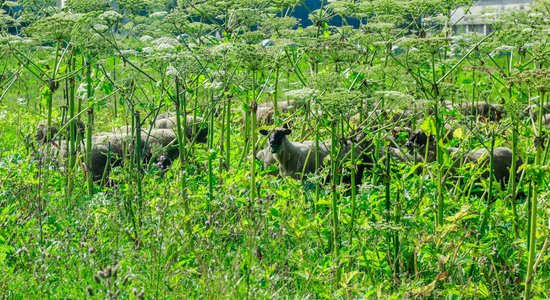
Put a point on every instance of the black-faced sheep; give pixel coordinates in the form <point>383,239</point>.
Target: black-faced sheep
<point>502,156</point>
<point>295,159</point>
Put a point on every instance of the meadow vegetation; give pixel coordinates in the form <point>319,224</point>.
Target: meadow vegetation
<point>132,164</point>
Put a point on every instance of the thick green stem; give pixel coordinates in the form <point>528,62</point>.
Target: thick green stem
<point>138,164</point>
<point>72,124</point>
<point>180,128</point>
<point>334,163</point>
<point>513,171</point>
<point>530,278</point>
<point>228,134</point>
<point>89,161</point>
<point>353,194</point>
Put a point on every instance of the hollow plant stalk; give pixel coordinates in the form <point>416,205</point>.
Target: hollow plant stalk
<point>353,194</point>
<point>72,124</point>
<point>138,160</point>
<point>90,121</point>
<point>180,129</point>
<point>486,214</point>
<point>210,154</point>
<point>89,162</point>
<point>334,192</point>
<point>530,277</point>
<point>228,133</point>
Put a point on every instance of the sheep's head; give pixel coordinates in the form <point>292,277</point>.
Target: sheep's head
<point>417,139</point>
<point>276,138</point>
<point>42,131</point>
<point>202,135</point>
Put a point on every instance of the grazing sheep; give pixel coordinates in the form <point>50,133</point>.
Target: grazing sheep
<point>42,129</point>
<point>295,159</point>
<point>362,155</point>
<point>492,112</point>
<point>502,156</point>
<point>502,162</point>
<point>531,110</point>
<point>265,111</point>
<point>367,148</point>
<point>193,132</point>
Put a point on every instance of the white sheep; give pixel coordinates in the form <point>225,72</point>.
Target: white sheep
<point>295,159</point>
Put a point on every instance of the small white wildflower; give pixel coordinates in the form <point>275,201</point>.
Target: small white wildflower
<point>158,14</point>
<point>301,94</point>
<point>128,26</point>
<point>3,114</point>
<point>21,101</point>
<point>222,48</point>
<point>82,90</point>
<point>213,84</point>
<point>111,16</point>
<point>171,71</point>
<point>148,50</point>
<point>129,52</point>
<point>501,49</point>
<point>166,40</point>
<point>165,47</point>
<point>100,27</point>
<point>146,38</point>
<point>219,74</point>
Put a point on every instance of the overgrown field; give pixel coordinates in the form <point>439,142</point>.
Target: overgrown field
<point>132,164</point>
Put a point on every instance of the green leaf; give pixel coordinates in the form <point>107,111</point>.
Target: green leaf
<point>428,126</point>
<point>482,290</point>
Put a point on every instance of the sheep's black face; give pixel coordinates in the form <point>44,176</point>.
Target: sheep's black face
<point>418,138</point>
<point>276,138</point>
<point>202,135</point>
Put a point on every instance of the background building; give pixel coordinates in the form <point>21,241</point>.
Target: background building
<point>476,18</point>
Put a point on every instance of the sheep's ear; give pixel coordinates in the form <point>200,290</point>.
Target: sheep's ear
<point>264,132</point>
<point>287,131</point>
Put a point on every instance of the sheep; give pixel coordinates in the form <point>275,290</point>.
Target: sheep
<point>295,159</point>
<point>193,130</point>
<point>502,162</point>
<point>41,134</point>
<point>153,141</point>
<point>492,112</point>
<point>502,156</point>
<point>265,111</point>
<point>531,110</point>
<point>266,157</point>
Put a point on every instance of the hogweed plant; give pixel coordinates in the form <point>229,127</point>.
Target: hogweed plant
<point>216,223</point>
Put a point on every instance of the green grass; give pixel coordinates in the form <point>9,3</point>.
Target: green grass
<point>199,229</point>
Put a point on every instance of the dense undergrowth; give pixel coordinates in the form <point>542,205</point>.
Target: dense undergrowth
<point>215,224</point>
